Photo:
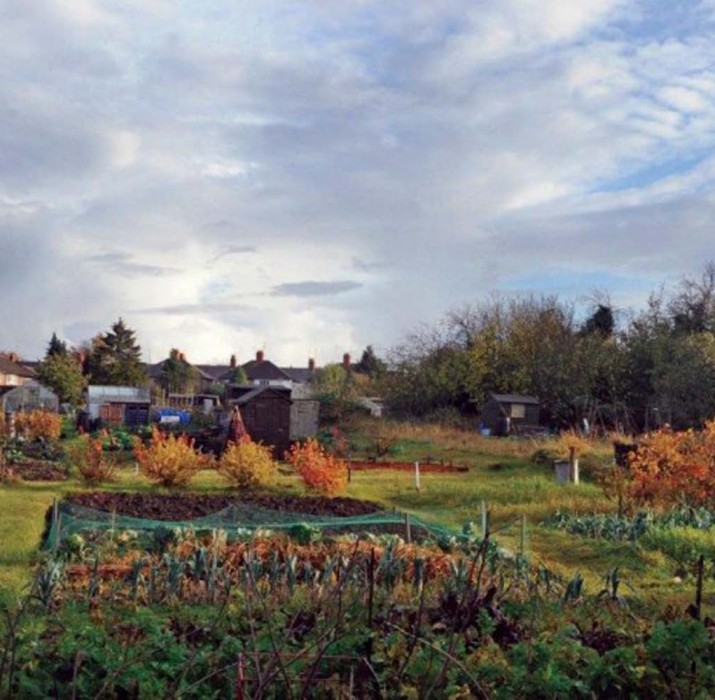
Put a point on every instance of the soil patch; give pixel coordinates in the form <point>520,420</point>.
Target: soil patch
<point>407,467</point>
<point>193,505</point>
<point>39,470</point>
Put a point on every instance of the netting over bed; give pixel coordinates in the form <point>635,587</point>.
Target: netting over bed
<point>237,519</point>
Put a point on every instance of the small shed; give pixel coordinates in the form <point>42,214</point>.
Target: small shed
<point>505,414</point>
<point>119,405</point>
<point>304,413</point>
<point>266,413</point>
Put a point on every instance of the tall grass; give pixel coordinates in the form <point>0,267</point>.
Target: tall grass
<point>443,440</point>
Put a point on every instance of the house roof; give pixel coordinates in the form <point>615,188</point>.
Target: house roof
<point>154,371</point>
<point>216,372</point>
<point>264,370</point>
<point>302,375</point>
<point>515,398</point>
<point>7,366</point>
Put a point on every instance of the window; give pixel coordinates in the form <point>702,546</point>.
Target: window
<point>518,410</point>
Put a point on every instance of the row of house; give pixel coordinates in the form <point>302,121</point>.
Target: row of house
<point>276,403</point>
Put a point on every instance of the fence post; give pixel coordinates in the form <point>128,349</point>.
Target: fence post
<point>485,519</point>
<point>417,476</point>
<point>408,529</point>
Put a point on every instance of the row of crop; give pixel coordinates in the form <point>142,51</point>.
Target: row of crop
<point>275,620</point>
<point>683,534</point>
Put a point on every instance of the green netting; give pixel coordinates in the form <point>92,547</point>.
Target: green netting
<point>238,518</point>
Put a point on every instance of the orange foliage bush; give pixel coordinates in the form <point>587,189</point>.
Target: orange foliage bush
<point>169,460</point>
<point>672,468</point>
<point>89,459</point>
<point>320,470</point>
<point>38,424</point>
<point>246,463</point>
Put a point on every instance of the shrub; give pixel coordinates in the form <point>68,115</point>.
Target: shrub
<point>38,424</point>
<point>89,459</point>
<point>169,460</point>
<point>321,471</point>
<point>247,463</point>
<point>669,468</point>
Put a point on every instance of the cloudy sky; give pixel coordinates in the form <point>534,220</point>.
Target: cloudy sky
<point>310,177</point>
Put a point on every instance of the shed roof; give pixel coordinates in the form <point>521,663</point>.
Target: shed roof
<point>515,398</point>
<point>253,393</point>
<point>118,394</point>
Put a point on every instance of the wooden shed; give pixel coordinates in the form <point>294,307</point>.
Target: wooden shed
<point>118,405</point>
<point>266,412</point>
<point>507,414</point>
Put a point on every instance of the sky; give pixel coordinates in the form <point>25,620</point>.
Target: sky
<point>312,177</point>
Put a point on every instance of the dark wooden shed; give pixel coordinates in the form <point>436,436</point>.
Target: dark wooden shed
<point>505,414</point>
<point>266,414</point>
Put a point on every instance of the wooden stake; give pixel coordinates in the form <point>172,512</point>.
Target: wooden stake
<point>408,529</point>
<point>417,476</point>
<point>55,528</point>
<point>485,519</point>
<point>240,677</point>
<point>371,589</point>
<point>699,586</point>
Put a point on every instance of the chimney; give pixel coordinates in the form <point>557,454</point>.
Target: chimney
<point>13,357</point>
<point>346,361</point>
<point>259,356</point>
<point>233,362</point>
<point>311,364</point>
<point>182,357</point>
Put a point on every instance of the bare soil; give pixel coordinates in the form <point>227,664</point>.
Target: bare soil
<point>426,467</point>
<point>192,505</point>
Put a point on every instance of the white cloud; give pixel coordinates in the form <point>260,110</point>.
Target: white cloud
<point>195,158</point>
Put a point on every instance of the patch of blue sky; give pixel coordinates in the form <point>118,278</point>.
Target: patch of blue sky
<point>661,20</point>
<point>574,282</point>
<point>651,174</point>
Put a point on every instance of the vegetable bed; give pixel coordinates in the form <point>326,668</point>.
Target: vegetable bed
<point>191,505</point>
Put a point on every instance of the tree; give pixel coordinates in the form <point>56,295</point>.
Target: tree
<point>239,376</point>
<point>56,346</point>
<point>370,364</point>
<point>601,321</point>
<point>63,374</point>
<point>115,358</point>
<point>177,375</point>
<point>337,391</point>
<point>692,307</point>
